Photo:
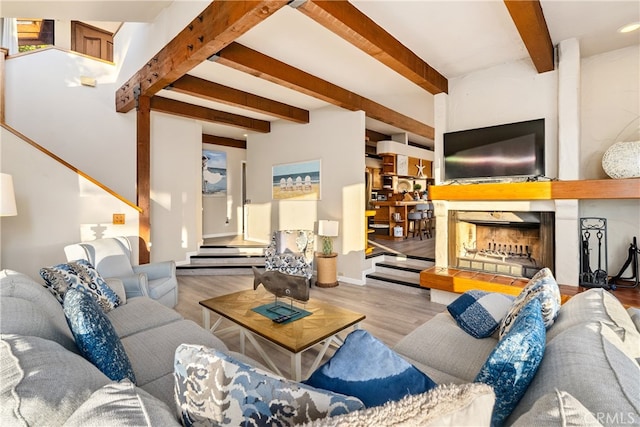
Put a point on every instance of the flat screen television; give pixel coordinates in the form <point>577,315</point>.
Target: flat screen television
<point>495,152</point>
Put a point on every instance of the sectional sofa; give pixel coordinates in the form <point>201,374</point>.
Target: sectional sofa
<point>589,374</point>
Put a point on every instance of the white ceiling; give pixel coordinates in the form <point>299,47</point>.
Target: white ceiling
<point>454,37</point>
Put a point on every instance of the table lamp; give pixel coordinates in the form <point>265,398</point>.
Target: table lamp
<point>328,230</point>
<point>7,196</point>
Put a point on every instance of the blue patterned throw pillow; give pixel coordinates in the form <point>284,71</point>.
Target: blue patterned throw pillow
<point>543,287</point>
<point>213,389</point>
<point>366,368</point>
<point>95,337</point>
<point>79,274</point>
<point>513,363</point>
<point>479,313</point>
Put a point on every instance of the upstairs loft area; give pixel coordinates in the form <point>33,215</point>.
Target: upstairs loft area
<point>513,152</point>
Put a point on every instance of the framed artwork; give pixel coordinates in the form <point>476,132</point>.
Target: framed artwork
<point>214,173</point>
<point>300,181</point>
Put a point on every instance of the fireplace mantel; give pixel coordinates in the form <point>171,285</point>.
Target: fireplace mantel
<point>547,190</point>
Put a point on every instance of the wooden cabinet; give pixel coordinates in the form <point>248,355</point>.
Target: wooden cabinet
<point>388,164</point>
<point>376,178</point>
<point>405,166</point>
<point>394,214</point>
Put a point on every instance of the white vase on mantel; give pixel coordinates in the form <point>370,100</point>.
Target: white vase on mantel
<point>622,159</point>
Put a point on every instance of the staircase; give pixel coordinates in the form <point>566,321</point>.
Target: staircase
<point>399,269</point>
<point>230,259</point>
<point>224,260</point>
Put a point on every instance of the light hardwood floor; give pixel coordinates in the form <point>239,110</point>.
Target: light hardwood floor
<point>392,311</point>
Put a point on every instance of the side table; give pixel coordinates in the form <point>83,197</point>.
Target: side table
<point>327,266</point>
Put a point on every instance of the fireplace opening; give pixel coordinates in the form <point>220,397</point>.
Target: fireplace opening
<point>517,244</point>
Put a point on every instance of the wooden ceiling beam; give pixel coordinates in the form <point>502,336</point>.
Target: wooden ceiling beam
<point>183,109</point>
<point>345,20</point>
<point>242,58</point>
<point>530,22</point>
<point>225,142</point>
<point>211,91</point>
<point>218,25</point>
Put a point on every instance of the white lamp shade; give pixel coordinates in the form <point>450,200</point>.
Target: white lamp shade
<point>7,196</point>
<point>327,228</point>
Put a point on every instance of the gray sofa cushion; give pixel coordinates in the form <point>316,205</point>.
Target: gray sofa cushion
<point>598,305</point>
<point>122,404</point>
<point>443,346</point>
<point>557,409</point>
<point>587,361</point>
<point>140,314</point>
<point>42,383</point>
<point>27,308</point>
<point>151,352</point>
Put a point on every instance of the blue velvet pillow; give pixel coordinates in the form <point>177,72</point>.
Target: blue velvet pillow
<point>95,337</point>
<point>366,368</point>
<point>513,363</point>
<point>479,313</point>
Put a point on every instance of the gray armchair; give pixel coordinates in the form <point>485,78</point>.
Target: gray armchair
<point>112,259</point>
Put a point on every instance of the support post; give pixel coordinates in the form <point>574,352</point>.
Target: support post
<point>143,175</point>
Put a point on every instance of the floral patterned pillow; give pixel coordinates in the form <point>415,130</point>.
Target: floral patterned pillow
<point>83,276</point>
<point>211,388</point>
<point>544,288</point>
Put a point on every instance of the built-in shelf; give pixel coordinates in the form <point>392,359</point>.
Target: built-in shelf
<point>549,190</point>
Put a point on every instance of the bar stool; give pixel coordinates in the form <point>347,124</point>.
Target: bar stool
<point>416,218</point>
<point>428,219</point>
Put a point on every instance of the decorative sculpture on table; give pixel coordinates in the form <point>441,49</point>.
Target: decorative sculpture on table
<point>289,267</point>
<point>282,285</point>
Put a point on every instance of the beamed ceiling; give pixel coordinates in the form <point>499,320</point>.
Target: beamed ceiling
<point>240,65</point>
<point>213,34</point>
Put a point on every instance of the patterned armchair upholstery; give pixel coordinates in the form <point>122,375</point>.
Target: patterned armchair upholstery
<point>291,252</point>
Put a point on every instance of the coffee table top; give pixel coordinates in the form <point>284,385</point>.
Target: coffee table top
<point>326,319</point>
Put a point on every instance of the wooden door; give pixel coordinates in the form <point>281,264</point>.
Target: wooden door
<point>91,41</point>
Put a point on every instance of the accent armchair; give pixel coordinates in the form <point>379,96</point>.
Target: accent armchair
<point>112,259</point>
<point>291,252</point>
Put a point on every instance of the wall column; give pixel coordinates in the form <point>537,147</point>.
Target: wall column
<point>567,211</point>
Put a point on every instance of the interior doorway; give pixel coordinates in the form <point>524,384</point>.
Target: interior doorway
<point>245,201</point>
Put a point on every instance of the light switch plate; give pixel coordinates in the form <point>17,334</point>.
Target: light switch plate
<point>118,218</point>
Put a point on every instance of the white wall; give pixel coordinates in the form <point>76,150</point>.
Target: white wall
<point>56,207</point>
<point>610,100</point>
<point>80,125</point>
<point>336,137</point>
<point>77,123</point>
<point>217,209</point>
<point>176,189</point>
<point>139,42</point>
<point>506,93</point>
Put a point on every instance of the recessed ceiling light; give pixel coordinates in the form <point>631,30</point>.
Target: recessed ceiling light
<point>629,27</point>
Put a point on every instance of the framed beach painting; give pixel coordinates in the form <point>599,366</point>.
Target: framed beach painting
<point>300,181</point>
<point>214,173</point>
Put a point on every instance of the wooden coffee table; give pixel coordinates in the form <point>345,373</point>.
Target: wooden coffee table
<point>321,327</point>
